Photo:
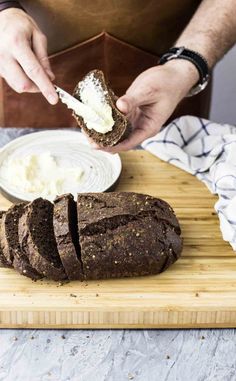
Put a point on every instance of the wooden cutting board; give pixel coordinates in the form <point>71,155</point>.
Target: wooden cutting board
<point>199,290</point>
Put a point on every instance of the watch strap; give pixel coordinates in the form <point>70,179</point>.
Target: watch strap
<point>10,4</point>
<point>195,58</point>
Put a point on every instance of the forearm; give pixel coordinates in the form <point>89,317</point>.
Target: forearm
<point>212,30</point>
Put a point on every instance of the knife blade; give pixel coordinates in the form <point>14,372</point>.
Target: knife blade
<point>78,107</point>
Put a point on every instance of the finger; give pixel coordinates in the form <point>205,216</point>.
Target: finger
<point>16,78</point>
<point>36,73</point>
<point>135,138</point>
<point>39,45</point>
<point>145,128</point>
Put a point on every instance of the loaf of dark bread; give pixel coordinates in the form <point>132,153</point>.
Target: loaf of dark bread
<point>3,260</point>
<point>126,234</point>
<point>119,235</point>
<point>37,240</point>
<point>121,128</point>
<point>65,230</point>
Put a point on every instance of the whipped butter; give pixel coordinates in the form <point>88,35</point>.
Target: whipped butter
<point>42,174</point>
<point>93,95</point>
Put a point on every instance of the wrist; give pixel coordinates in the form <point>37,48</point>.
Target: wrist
<point>186,73</point>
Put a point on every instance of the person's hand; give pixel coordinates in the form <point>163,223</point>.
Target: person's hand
<point>152,98</point>
<point>24,62</point>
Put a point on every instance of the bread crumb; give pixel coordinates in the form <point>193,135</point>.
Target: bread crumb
<point>15,338</point>
<point>97,294</point>
<point>197,294</point>
<point>168,357</point>
<point>130,376</point>
<point>73,295</point>
<point>63,337</point>
<point>32,338</point>
<point>202,337</point>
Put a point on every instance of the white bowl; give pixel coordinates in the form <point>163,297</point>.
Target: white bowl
<point>101,170</point>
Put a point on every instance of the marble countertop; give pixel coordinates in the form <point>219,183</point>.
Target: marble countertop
<point>106,355</point>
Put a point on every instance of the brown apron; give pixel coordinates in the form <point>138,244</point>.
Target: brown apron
<point>129,37</point>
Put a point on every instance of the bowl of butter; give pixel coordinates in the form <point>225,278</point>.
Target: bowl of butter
<point>53,162</point>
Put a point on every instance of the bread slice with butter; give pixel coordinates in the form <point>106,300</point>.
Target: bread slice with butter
<point>112,126</point>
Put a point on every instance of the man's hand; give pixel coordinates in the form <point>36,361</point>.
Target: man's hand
<point>23,55</point>
<point>151,99</point>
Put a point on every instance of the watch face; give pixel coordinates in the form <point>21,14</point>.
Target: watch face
<point>198,88</point>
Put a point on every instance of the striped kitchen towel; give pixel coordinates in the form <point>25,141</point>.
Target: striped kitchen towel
<point>208,151</point>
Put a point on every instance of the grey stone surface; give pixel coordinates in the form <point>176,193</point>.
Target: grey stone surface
<point>106,355</point>
<point>163,355</point>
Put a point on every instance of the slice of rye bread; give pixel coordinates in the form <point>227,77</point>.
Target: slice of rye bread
<point>121,128</point>
<point>9,241</point>
<point>126,234</point>
<point>3,260</point>
<point>9,231</point>
<point>37,240</point>
<point>65,230</point>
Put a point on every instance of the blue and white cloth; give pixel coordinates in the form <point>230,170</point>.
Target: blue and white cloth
<point>208,151</point>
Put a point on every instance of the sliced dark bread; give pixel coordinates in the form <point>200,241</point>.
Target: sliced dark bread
<point>10,242</point>
<point>121,128</point>
<point>9,231</point>
<point>37,240</point>
<point>65,230</point>
<point>126,234</point>
<point>3,260</point>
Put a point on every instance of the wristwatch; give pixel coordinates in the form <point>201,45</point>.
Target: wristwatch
<point>197,60</point>
<point>9,4</point>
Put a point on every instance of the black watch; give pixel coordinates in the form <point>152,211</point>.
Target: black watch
<point>197,60</point>
<point>5,4</point>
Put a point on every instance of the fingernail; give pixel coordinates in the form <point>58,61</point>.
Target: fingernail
<point>52,99</point>
<point>122,106</point>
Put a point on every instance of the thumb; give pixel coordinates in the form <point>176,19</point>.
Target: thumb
<point>125,104</point>
<point>130,101</point>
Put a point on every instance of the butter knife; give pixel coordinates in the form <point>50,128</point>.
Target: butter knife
<point>74,104</point>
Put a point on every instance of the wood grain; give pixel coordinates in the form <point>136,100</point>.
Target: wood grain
<point>198,291</point>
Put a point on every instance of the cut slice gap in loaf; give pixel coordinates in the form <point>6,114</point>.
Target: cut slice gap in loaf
<point>65,230</point>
